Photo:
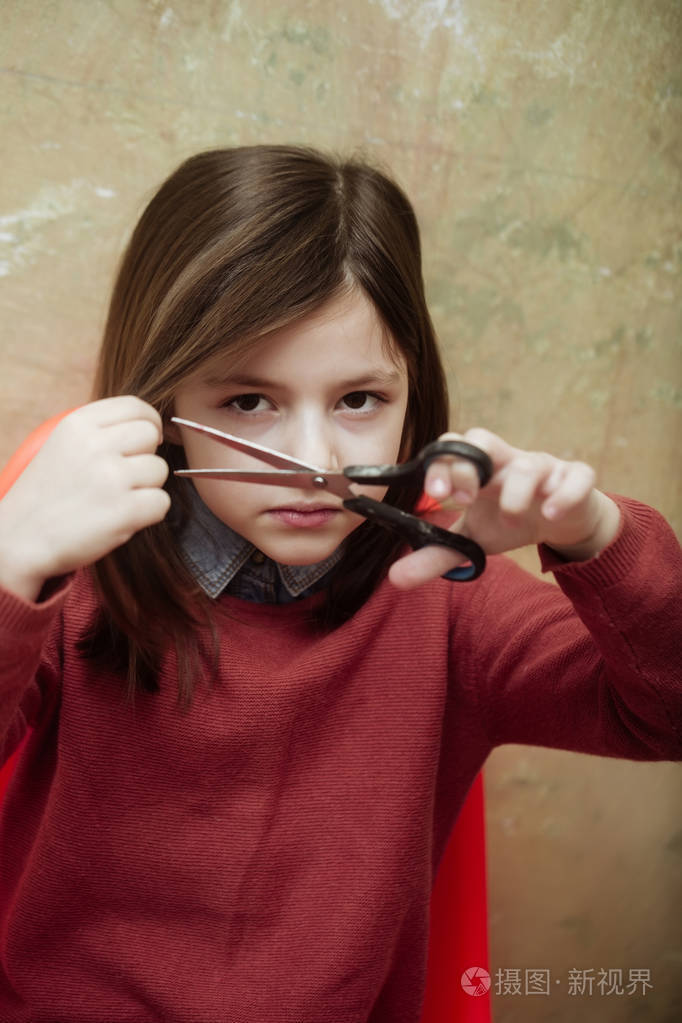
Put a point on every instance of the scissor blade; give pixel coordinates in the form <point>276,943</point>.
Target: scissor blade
<point>332,483</point>
<point>259,451</point>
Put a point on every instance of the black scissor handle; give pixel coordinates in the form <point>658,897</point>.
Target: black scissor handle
<point>420,533</point>
<point>480,459</point>
<point>386,474</point>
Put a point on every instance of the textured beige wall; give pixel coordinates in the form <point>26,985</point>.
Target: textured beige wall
<point>541,143</point>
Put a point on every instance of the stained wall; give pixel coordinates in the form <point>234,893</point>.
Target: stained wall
<point>540,141</point>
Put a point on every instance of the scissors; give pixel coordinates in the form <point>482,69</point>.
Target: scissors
<point>289,472</point>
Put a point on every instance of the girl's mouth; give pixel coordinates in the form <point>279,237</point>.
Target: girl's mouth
<point>304,515</point>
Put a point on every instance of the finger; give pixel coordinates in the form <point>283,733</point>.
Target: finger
<point>147,471</point>
<point>120,409</point>
<point>465,484</point>
<point>420,566</point>
<point>437,480</point>
<point>132,437</point>
<point>552,481</point>
<point>499,451</point>
<point>522,479</point>
<point>450,476</point>
<point>574,487</point>
<point>147,507</point>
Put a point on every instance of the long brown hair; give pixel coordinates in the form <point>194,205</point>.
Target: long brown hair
<point>235,244</point>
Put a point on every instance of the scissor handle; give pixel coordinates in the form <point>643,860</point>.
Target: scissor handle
<point>420,533</point>
<point>387,474</point>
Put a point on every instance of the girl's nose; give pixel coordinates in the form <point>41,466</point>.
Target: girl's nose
<point>310,439</point>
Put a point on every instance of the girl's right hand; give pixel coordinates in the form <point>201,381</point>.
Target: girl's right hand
<point>94,483</point>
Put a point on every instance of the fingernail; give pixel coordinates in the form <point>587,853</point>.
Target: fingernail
<point>438,487</point>
<point>462,497</point>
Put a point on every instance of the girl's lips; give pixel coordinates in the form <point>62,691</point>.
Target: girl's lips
<point>304,515</point>
<point>306,506</point>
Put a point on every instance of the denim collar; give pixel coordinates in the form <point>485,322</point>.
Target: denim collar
<point>215,554</point>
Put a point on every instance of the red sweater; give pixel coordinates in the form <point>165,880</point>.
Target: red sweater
<point>267,856</point>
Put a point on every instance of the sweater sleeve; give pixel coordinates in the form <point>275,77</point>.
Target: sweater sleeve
<point>591,665</point>
<point>30,660</point>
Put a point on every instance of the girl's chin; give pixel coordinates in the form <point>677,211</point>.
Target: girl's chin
<point>304,551</point>
<point>296,559</point>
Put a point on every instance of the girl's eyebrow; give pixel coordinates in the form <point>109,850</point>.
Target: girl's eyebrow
<point>373,377</point>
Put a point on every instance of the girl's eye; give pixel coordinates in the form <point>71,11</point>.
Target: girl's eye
<point>354,401</point>
<point>362,401</point>
<point>248,403</point>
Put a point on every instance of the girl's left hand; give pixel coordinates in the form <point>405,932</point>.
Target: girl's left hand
<point>532,498</point>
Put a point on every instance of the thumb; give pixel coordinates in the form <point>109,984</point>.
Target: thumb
<point>420,566</point>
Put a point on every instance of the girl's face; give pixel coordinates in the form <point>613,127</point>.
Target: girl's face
<point>324,390</point>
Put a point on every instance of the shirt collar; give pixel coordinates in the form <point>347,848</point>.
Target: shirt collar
<point>215,553</point>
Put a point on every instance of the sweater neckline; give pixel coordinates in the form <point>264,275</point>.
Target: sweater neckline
<point>258,611</point>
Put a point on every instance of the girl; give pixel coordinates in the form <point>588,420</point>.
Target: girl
<point>249,736</point>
